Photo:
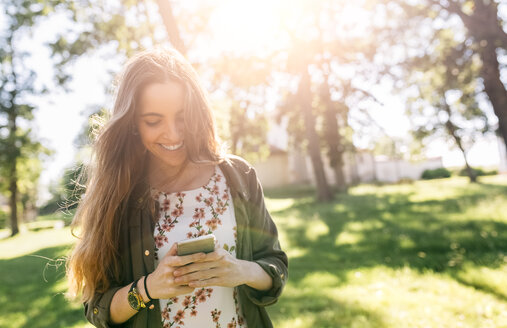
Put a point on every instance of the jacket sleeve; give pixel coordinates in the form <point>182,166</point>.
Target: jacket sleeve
<point>265,245</point>
<point>97,309</point>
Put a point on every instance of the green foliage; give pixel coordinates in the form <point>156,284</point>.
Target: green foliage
<point>20,152</point>
<point>240,116</point>
<point>248,134</point>
<point>436,173</point>
<point>477,172</point>
<point>389,146</point>
<point>445,104</point>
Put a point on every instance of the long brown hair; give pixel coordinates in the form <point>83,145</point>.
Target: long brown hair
<point>119,164</point>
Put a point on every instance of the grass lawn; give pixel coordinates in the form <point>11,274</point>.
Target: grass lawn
<point>427,254</point>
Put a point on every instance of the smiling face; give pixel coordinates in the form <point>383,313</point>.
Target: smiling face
<point>160,123</point>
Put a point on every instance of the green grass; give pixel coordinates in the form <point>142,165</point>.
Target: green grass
<point>425,254</point>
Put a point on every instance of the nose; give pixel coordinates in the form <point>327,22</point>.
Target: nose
<point>173,132</point>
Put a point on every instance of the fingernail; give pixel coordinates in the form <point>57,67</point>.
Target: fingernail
<point>176,272</point>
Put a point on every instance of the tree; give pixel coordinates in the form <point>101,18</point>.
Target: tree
<point>305,96</point>
<point>484,35</point>
<point>333,138</point>
<point>329,41</point>
<point>166,12</point>
<point>447,90</point>
<point>322,46</point>
<point>485,29</point>
<point>245,82</point>
<point>18,147</point>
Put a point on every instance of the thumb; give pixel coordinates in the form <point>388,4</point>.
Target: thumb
<point>173,250</point>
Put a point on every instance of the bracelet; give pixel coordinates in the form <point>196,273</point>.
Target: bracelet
<point>146,288</point>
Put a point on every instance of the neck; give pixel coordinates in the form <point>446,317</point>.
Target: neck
<point>161,174</point>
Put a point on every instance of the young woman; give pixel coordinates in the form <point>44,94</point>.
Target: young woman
<point>159,175</point>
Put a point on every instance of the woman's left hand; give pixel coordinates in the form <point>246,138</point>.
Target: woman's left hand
<point>218,268</point>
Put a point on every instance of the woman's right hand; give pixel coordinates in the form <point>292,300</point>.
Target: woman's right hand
<point>161,282</point>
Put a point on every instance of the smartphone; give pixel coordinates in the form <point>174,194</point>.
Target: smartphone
<point>204,244</point>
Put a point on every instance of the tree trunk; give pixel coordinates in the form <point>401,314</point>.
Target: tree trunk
<point>341,184</point>
<point>166,12</point>
<point>470,171</point>
<point>451,128</point>
<point>335,147</point>
<point>13,181</point>
<point>332,136</point>
<point>13,188</point>
<point>323,191</point>
<point>494,87</point>
<point>237,122</point>
<point>484,25</point>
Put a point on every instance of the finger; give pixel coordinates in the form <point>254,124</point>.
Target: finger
<point>183,260</point>
<point>172,251</point>
<point>207,282</point>
<point>193,267</point>
<point>198,275</point>
<point>213,256</point>
<point>179,284</point>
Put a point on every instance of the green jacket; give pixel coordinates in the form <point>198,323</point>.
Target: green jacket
<point>257,237</point>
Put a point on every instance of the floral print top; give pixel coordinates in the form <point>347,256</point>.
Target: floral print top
<point>189,214</point>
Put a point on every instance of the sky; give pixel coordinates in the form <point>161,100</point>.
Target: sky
<point>60,117</point>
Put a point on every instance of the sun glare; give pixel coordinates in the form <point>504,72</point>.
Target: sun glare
<point>257,27</point>
<point>247,26</point>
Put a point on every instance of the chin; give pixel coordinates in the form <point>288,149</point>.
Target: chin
<point>173,163</point>
<point>170,160</point>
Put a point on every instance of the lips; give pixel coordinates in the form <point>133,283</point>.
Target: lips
<point>172,147</point>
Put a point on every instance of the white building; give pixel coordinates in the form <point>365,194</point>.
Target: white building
<point>283,168</point>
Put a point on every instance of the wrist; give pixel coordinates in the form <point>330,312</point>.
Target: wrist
<point>246,272</point>
<point>255,276</point>
<point>142,291</point>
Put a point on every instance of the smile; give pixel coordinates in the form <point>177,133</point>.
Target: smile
<point>175,147</point>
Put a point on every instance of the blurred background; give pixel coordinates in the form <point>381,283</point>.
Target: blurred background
<point>378,129</point>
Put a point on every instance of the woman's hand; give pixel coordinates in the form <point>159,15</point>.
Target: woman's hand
<point>161,282</point>
<point>218,268</point>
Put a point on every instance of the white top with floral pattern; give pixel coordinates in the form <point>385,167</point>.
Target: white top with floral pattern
<point>189,214</point>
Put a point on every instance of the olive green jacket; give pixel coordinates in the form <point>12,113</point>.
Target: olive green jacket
<point>257,238</point>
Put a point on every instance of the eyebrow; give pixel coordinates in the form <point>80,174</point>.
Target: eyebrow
<point>151,114</point>
<point>160,115</point>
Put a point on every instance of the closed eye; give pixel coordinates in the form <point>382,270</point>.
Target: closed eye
<point>152,123</point>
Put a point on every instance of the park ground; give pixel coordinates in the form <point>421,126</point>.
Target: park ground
<point>421,254</point>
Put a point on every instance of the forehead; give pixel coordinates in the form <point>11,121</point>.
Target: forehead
<point>161,98</point>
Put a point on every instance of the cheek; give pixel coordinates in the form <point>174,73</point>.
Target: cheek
<point>148,135</point>
<point>180,128</point>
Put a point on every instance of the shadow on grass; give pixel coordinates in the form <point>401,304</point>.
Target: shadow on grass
<point>369,230</point>
<point>483,286</point>
<point>30,288</point>
<point>324,312</point>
